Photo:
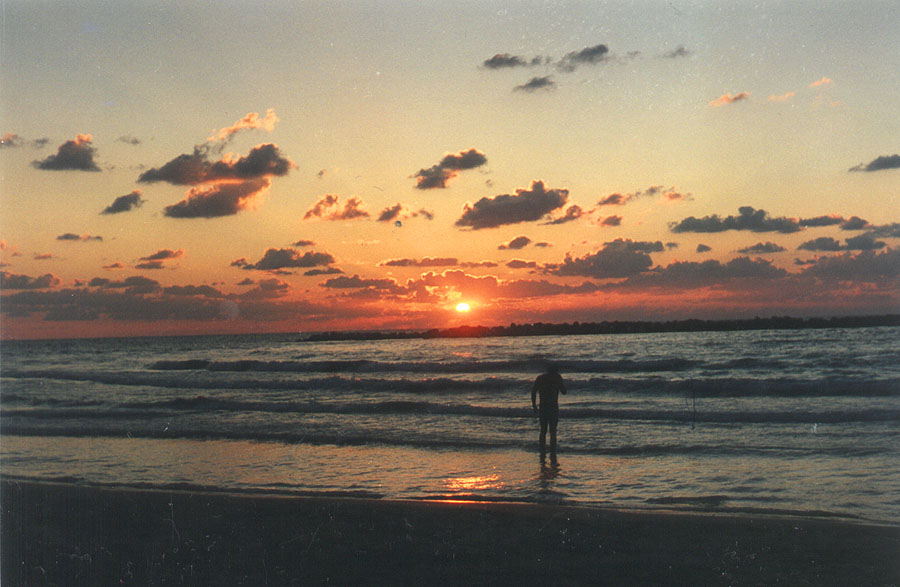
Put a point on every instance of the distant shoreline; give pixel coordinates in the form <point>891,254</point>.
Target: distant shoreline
<point>614,327</point>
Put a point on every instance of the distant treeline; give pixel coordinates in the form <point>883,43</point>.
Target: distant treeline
<point>615,327</point>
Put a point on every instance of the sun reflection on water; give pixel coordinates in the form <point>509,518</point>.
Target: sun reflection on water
<point>475,483</point>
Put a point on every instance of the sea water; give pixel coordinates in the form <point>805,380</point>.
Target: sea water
<point>786,421</point>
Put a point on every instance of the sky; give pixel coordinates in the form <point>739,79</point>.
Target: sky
<point>225,167</point>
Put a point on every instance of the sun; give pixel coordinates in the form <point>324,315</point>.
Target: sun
<point>463,307</point>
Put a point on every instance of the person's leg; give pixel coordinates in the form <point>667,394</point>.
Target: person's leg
<point>553,420</point>
<point>544,422</point>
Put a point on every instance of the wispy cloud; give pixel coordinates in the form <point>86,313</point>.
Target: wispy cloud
<point>124,203</point>
<point>71,236</point>
<point>726,99</point>
<point>330,208</point>
<point>536,83</point>
<point>824,81</point>
<point>250,121</point>
<point>879,164</point>
<point>783,97</point>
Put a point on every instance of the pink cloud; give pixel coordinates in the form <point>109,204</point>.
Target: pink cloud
<point>251,120</point>
<point>725,99</point>
<point>821,82</point>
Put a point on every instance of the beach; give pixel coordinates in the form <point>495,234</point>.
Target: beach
<point>86,535</point>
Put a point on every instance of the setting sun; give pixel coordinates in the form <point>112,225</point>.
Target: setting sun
<point>463,307</point>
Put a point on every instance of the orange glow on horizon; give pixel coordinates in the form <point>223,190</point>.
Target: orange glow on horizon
<point>463,307</point>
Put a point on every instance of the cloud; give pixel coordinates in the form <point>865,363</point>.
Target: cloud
<point>423,262</point>
<point>325,271</point>
<point>691,274</point>
<point>573,212</point>
<point>782,98</point>
<point>274,259</point>
<point>521,264</point>
<point>12,281</point>
<point>251,120</point>
<point>449,167</point>
<point>505,60</point>
<point>129,140</point>
<point>11,140</point>
<point>329,208</point>
<point>400,212</point>
<point>863,242</point>
<point>678,51</point>
<point>670,194</point>
<point>586,56</point>
<point>610,221</point>
<point>262,161</point>
<point>164,255</point>
<point>303,243</point>
<point>124,203</point>
<point>266,289</point>
<point>619,258</point>
<point>151,265</point>
<point>77,154</point>
<point>867,266</point>
<point>818,221</point>
<point>536,83</point>
<point>762,249</point>
<point>748,219</point>
<point>879,164</point>
<point>69,236</point>
<point>134,284</point>
<point>357,282</point>
<point>821,82</point>
<point>43,257</point>
<point>725,99</point>
<point>886,231</point>
<point>854,223</point>
<point>525,206</point>
<point>221,199</point>
<point>193,290</point>
<point>520,242</point>
<point>114,266</point>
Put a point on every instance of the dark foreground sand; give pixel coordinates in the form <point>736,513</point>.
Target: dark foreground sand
<point>71,535</point>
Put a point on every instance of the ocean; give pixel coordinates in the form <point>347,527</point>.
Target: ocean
<point>769,421</point>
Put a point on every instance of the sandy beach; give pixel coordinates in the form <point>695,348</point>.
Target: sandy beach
<point>73,535</point>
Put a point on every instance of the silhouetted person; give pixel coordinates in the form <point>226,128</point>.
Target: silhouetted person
<point>548,386</point>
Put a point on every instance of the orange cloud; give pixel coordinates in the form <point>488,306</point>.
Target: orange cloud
<point>251,120</point>
<point>329,208</point>
<point>783,97</point>
<point>822,82</point>
<point>725,99</point>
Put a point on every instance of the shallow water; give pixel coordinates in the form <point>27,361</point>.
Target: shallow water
<point>793,421</point>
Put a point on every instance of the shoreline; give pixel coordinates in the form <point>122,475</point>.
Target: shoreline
<point>73,534</point>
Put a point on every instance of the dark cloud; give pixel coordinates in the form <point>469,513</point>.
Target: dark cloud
<point>479,264</point>
<point>43,257</point>
<point>610,221</point>
<point>573,212</point>
<point>885,231</point>
<point>11,140</point>
<point>707,273</point>
<point>830,220</point>
<point>504,60</point>
<point>329,208</point>
<point>619,258</point>
<point>266,289</point>
<point>863,242</point>
<point>879,163</point>
<point>137,284</point>
<point>164,255</point>
<point>70,236</point>
<point>193,290</point>
<point>670,194</point>
<point>124,203</point>
<point>748,219</point>
<point>13,281</point>
<point>701,248</point>
<point>114,266</point>
<point>449,167</point>
<point>325,271</point>
<point>357,282</point>
<point>77,154</point>
<point>762,249</point>
<point>194,169</point>
<point>536,83</point>
<point>522,264</point>
<point>586,56</point>
<point>303,243</point>
<point>274,259</point>
<point>400,212</point>
<point>129,140</point>
<point>152,265</point>
<point>520,242</point>
<point>423,262</point>
<point>854,223</point>
<point>525,206</point>
<point>678,51</point>
<point>221,199</point>
<point>867,266</point>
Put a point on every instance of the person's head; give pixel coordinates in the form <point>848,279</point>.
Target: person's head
<point>552,368</point>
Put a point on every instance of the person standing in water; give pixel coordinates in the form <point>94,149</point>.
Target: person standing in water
<point>548,386</point>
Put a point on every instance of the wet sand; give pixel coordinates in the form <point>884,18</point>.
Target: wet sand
<point>74,535</point>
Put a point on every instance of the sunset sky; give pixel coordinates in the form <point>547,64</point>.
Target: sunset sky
<point>192,167</point>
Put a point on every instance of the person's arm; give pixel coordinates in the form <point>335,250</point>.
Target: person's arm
<point>562,386</point>
<point>534,396</point>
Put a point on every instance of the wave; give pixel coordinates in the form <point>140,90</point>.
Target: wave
<point>652,385</point>
<point>202,404</point>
